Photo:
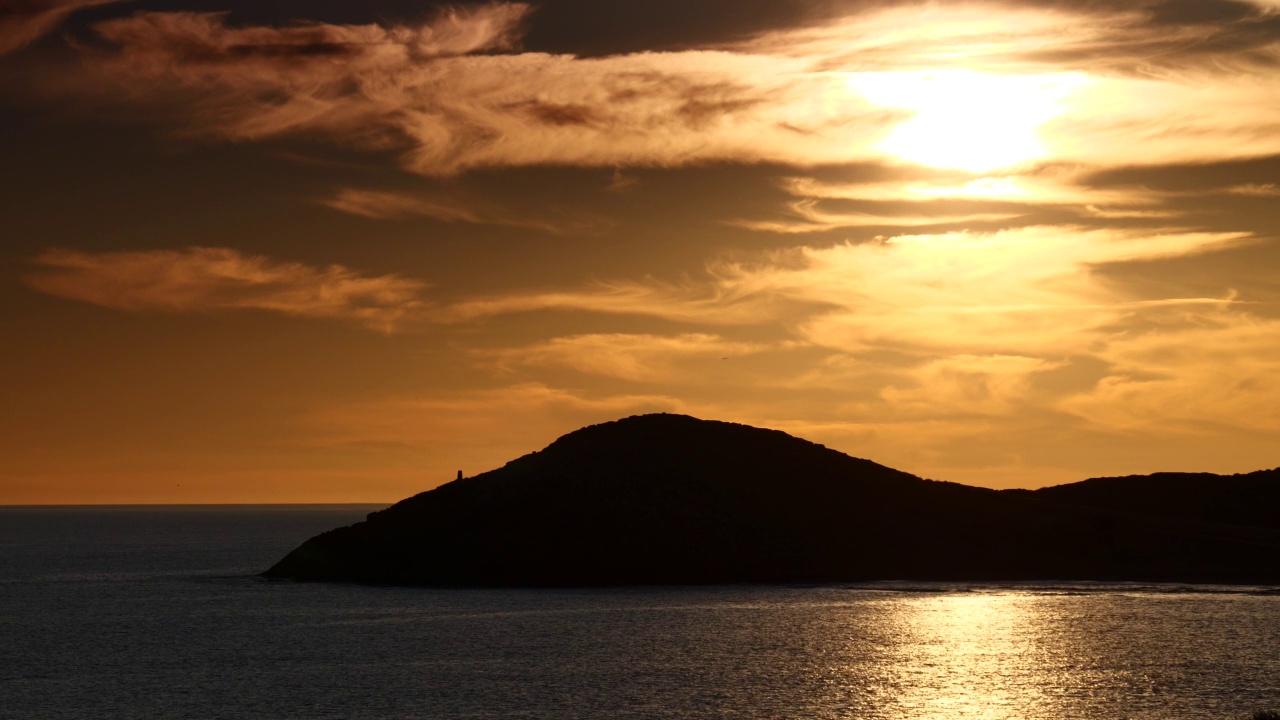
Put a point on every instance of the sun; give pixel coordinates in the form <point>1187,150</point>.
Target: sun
<point>967,120</point>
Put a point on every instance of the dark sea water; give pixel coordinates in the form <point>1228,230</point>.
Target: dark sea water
<point>156,613</point>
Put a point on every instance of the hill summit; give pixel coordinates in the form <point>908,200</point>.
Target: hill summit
<point>671,499</point>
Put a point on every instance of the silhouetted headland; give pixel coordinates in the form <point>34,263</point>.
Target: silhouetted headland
<point>670,499</point>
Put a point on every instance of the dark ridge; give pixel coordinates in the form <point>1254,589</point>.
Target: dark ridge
<point>1251,499</point>
<point>670,499</point>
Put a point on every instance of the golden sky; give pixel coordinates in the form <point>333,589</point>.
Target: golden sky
<point>336,251</point>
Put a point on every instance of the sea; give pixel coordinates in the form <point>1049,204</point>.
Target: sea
<point>159,612</point>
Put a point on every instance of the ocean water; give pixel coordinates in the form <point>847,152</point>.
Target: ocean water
<point>157,613</point>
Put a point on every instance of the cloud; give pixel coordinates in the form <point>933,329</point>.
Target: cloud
<point>386,205</point>
<point>1039,84</point>
<point>633,357</point>
<point>973,293</point>
<point>1101,83</point>
<point>1255,190</point>
<point>938,387</point>
<point>620,182</point>
<point>1026,291</point>
<point>1117,213</point>
<point>807,216</point>
<point>955,201</point>
<point>205,40</point>
<point>966,385</point>
<point>714,302</point>
<point>202,279</point>
<point>1193,373</point>
<point>1015,193</point>
<point>1108,37</point>
<point>1051,186</point>
<point>1002,293</point>
<point>22,22</point>
<point>451,105</point>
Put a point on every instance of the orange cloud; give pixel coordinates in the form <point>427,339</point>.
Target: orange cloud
<point>1054,186</point>
<point>624,356</point>
<point>384,205</point>
<point>1040,85</point>
<point>1263,190</point>
<point>966,385</point>
<point>1194,374</point>
<point>1018,291</point>
<point>22,22</point>
<point>1059,187</point>
<point>1030,292</point>
<point>427,90</point>
<point>961,292</point>
<point>719,303</point>
<point>807,216</point>
<point>214,279</point>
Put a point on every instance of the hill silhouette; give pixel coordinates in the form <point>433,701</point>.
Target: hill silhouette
<point>1250,499</point>
<point>671,499</point>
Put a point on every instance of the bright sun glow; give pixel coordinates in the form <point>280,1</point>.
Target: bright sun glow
<point>967,120</point>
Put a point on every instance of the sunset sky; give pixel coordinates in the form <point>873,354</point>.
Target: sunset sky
<point>320,251</point>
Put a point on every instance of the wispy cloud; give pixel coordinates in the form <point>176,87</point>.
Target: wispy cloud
<point>714,302</point>
<point>922,201</point>
<point>218,279</point>
<point>1012,292</point>
<point>430,91</point>
<point>22,22</point>
<point>1197,371</point>
<point>1122,213</point>
<point>387,205</point>
<point>960,292</point>
<point>965,385</point>
<point>1051,186</point>
<point>1256,190</point>
<point>634,357</point>
<point>808,216</point>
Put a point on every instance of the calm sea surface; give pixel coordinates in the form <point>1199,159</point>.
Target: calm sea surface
<point>155,612</point>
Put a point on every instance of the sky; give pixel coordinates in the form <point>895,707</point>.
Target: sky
<point>337,251</point>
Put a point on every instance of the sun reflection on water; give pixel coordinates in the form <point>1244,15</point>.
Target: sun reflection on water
<point>988,656</point>
<point>970,656</point>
